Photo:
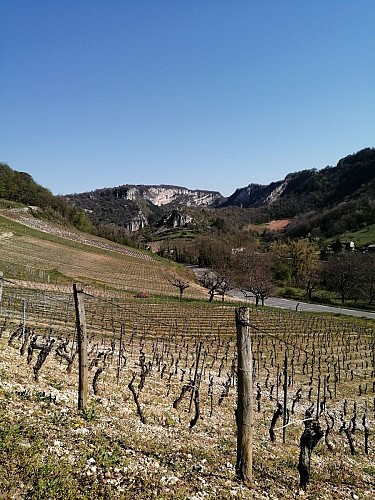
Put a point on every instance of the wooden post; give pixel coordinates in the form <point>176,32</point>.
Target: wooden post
<point>1,289</point>
<point>82,347</point>
<point>285,414</point>
<point>119,362</point>
<point>244,412</point>
<point>195,375</point>
<point>23,319</point>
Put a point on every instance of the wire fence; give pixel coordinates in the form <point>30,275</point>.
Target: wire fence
<point>330,361</point>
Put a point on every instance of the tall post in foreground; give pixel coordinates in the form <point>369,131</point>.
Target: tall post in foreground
<point>244,412</point>
<point>82,346</point>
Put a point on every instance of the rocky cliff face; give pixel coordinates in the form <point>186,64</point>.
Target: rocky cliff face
<point>137,222</point>
<point>172,195</point>
<point>255,194</point>
<point>134,206</point>
<point>176,218</point>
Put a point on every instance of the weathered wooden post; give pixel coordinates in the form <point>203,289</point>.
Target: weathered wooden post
<point>194,387</point>
<point>244,412</point>
<point>2,281</point>
<point>23,319</point>
<point>82,346</point>
<point>1,289</point>
<point>119,361</point>
<point>285,388</point>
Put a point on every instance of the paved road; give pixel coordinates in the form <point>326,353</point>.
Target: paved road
<point>292,304</point>
<point>304,306</point>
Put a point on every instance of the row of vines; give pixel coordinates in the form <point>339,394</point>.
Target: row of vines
<point>186,355</point>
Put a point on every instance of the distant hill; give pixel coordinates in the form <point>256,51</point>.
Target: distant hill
<point>137,206</point>
<point>325,202</point>
<point>20,188</point>
<point>312,189</point>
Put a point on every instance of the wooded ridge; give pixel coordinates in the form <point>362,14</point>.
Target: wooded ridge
<point>327,202</point>
<point>324,202</point>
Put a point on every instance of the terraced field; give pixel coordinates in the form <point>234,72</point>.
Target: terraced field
<point>53,255</point>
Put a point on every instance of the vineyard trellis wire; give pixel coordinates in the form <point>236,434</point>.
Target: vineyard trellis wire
<point>178,350</point>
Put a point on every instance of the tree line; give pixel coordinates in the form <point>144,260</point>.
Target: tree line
<point>20,187</point>
<point>298,267</point>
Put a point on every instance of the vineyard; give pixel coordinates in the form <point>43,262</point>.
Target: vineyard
<point>160,420</point>
<point>57,256</point>
<point>162,382</point>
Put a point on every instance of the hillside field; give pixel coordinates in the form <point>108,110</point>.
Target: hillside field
<point>160,420</point>
<point>36,251</point>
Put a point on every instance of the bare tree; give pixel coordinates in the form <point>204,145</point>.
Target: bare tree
<point>305,265</point>
<point>366,284</point>
<point>220,279</point>
<point>180,284</point>
<point>217,284</point>
<point>342,274</point>
<point>255,275</point>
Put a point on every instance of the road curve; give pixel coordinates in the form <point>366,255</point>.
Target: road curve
<point>292,305</point>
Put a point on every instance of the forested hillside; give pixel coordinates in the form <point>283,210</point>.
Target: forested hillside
<point>319,203</point>
<point>346,198</point>
<point>323,202</point>
<point>20,188</point>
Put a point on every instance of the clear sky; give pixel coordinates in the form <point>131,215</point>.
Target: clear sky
<point>208,94</point>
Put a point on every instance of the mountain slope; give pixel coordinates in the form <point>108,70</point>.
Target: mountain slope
<point>136,206</point>
<point>313,189</point>
<point>323,201</point>
<point>327,202</point>
<point>20,187</point>
<point>49,256</point>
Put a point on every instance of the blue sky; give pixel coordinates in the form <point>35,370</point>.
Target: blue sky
<point>207,94</point>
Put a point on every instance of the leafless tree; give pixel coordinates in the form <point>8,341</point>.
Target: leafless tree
<point>305,265</point>
<point>221,277</point>
<point>180,284</point>
<point>342,273</point>
<point>255,275</point>
<point>217,284</point>
<point>367,273</point>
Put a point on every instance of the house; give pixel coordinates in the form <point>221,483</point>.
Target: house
<point>349,245</point>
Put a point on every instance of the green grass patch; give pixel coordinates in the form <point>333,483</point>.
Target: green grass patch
<point>364,236</point>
